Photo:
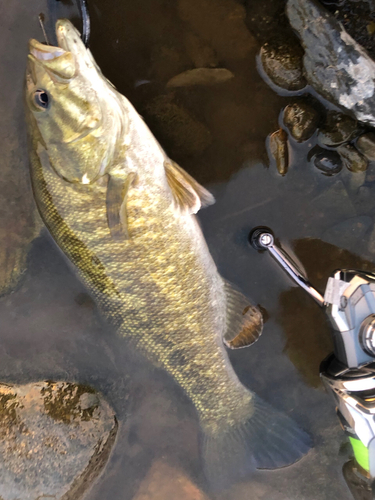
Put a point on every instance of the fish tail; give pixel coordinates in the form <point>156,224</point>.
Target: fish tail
<point>267,439</point>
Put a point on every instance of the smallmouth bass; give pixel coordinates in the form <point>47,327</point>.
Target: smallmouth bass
<point>123,213</point>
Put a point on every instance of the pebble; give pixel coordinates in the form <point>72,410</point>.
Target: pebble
<point>366,145</point>
<point>55,437</point>
<point>279,150</point>
<point>329,162</point>
<point>352,158</point>
<point>301,119</point>
<point>337,129</point>
<point>201,76</point>
<point>282,62</point>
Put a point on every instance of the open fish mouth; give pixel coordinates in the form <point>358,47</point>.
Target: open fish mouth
<point>67,40</point>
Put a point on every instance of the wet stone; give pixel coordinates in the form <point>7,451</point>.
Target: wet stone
<point>301,119</point>
<point>201,54</point>
<point>278,144</point>
<point>55,436</point>
<point>282,62</point>
<point>334,63</point>
<point>366,145</point>
<point>329,162</point>
<point>177,128</point>
<point>352,158</point>
<point>337,129</point>
<point>201,76</point>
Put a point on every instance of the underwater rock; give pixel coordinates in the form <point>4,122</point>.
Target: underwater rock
<point>352,158</point>
<point>180,131</point>
<point>366,145</point>
<point>279,150</point>
<point>201,54</point>
<point>301,119</point>
<point>201,76</point>
<point>282,62</point>
<point>337,129</point>
<point>221,24</point>
<point>54,439</point>
<point>335,65</point>
<point>329,162</point>
<point>164,482</point>
<point>348,233</point>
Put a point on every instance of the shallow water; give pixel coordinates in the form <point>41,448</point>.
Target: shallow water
<point>49,326</point>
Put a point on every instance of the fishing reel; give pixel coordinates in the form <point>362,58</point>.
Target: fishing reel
<point>348,373</point>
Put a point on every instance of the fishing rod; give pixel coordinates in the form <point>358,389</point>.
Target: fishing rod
<point>348,373</point>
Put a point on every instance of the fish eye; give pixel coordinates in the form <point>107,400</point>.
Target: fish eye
<point>41,99</point>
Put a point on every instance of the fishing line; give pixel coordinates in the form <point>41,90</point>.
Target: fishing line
<point>41,22</point>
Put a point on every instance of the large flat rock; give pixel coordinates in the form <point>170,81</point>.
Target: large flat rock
<point>54,440</point>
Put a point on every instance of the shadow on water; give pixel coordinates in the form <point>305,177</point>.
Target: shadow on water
<point>50,327</point>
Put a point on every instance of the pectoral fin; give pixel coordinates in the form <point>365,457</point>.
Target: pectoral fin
<point>188,194</point>
<point>117,193</point>
<point>244,321</point>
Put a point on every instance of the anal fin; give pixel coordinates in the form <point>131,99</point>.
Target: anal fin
<point>117,193</point>
<point>244,320</point>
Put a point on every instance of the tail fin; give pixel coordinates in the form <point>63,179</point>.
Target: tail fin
<point>267,440</point>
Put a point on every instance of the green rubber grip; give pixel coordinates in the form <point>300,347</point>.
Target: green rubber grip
<point>360,453</point>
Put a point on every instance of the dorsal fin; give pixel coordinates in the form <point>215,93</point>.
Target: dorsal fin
<point>244,320</point>
<point>187,193</point>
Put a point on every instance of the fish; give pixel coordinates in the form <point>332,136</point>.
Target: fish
<point>124,213</point>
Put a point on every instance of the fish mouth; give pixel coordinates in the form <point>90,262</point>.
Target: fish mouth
<point>59,59</point>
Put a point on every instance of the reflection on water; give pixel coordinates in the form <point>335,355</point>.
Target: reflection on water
<point>50,327</point>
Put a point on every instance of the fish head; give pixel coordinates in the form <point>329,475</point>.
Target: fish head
<point>72,109</point>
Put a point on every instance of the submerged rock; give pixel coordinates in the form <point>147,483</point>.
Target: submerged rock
<point>179,130</point>
<point>352,158</point>
<point>335,65</point>
<point>282,62</point>
<point>54,440</point>
<point>366,145</point>
<point>329,162</point>
<point>201,76</point>
<point>301,119</point>
<point>279,150</point>
<point>337,129</point>
<point>164,482</point>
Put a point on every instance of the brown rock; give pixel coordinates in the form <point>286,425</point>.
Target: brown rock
<point>279,150</point>
<point>221,24</point>
<point>179,130</point>
<point>164,482</point>
<point>55,437</point>
<point>200,53</point>
<point>201,76</point>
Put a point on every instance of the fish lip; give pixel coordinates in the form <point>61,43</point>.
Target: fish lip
<point>43,52</point>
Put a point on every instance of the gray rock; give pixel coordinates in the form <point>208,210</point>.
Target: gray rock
<point>201,76</point>
<point>301,119</point>
<point>349,233</point>
<point>352,158</point>
<point>328,162</point>
<point>54,440</point>
<point>279,150</point>
<point>366,145</point>
<point>335,65</point>
<point>337,129</point>
<point>282,62</point>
